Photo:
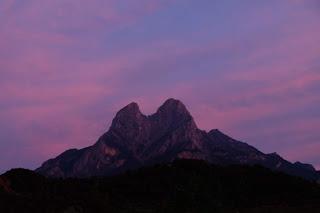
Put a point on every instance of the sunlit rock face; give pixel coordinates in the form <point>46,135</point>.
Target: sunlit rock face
<point>135,140</point>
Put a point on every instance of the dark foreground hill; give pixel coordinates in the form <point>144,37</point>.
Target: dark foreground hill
<point>135,140</point>
<point>181,186</point>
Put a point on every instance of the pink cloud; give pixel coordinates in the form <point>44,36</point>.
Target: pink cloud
<point>57,62</point>
<point>78,14</point>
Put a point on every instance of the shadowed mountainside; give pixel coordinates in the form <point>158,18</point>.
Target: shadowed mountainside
<point>181,186</point>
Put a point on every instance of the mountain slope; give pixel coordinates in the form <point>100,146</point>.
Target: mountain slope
<point>135,140</point>
<point>180,186</point>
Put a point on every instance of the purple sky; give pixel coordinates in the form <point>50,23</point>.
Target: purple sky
<point>250,68</point>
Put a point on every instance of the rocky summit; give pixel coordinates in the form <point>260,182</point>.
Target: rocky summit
<point>135,140</point>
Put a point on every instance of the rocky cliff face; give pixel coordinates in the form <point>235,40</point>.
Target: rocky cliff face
<point>135,140</point>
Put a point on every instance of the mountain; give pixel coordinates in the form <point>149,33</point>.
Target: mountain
<point>179,186</point>
<point>135,140</point>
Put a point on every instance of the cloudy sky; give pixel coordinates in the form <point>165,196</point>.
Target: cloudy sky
<point>250,68</point>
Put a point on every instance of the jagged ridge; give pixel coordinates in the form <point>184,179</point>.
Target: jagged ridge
<point>135,140</point>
